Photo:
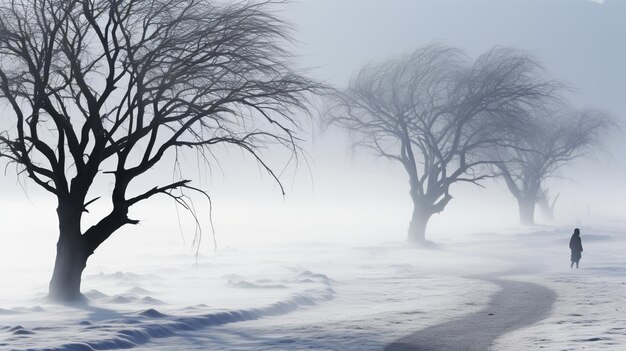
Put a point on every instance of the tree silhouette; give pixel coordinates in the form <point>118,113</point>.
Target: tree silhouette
<point>547,203</point>
<point>438,116</point>
<point>557,136</point>
<point>107,88</point>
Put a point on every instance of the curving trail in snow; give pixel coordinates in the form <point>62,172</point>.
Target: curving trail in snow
<point>516,305</point>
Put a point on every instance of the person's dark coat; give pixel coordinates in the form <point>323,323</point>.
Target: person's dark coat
<point>576,245</point>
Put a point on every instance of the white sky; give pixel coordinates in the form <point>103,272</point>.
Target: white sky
<point>353,196</point>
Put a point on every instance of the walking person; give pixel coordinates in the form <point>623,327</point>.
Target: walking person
<point>576,245</point>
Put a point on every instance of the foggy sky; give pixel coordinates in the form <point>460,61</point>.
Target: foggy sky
<point>353,194</point>
<point>578,41</point>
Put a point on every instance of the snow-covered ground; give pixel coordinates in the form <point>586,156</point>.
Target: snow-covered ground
<point>590,310</point>
<point>319,296</point>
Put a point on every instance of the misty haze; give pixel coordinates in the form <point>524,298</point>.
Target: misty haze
<point>312,175</point>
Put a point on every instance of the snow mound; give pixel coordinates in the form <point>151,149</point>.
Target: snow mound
<point>125,331</point>
<point>259,284</point>
<point>138,291</point>
<point>132,298</point>
<point>151,301</point>
<point>122,299</point>
<point>152,313</point>
<point>23,332</point>
<point>95,294</point>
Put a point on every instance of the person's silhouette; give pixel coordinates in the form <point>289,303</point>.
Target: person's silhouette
<point>575,244</point>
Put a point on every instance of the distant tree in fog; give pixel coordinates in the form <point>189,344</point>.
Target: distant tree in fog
<point>555,137</point>
<point>547,203</point>
<point>439,116</point>
<point>110,89</point>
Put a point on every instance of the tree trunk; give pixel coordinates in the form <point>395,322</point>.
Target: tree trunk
<point>70,262</point>
<point>417,226</point>
<point>71,257</point>
<point>526,211</point>
<point>546,205</point>
<point>547,212</point>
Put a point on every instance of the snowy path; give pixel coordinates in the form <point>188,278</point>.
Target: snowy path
<point>516,305</point>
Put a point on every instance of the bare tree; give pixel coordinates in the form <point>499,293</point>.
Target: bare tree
<point>559,135</point>
<point>438,116</point>
<point>547,203</point>
<point>107,88</point>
